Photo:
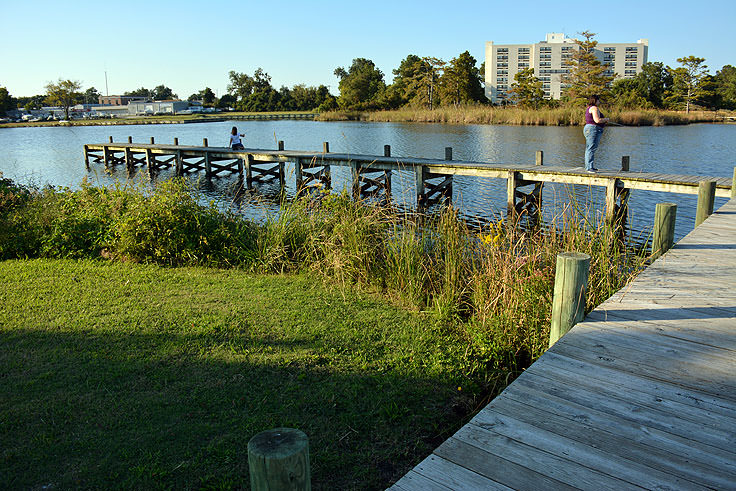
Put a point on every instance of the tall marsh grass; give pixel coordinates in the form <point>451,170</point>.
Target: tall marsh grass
<point>511,115</point>
<point>492,286</point>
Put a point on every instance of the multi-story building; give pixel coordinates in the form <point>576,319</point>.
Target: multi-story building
<point>550,59</point>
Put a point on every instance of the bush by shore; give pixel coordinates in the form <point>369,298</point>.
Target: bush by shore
<point>478,304</point>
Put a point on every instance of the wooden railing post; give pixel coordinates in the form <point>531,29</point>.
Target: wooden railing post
<point>204,142</point>
<point>111,139</point>
<point>279,459</point>
<point>387,173</point>
<point>733,184</point>
<point>625,163</point>
<point>570,293</point>
<point>387,153</point>
<point>130,139</point>
<point>176,141</point>
<point>706,198</point>
<point>540,158</point>
<point>325,147</point>
<point>86,157</point>
<point>664,228</point>
<point>153,141</point>
<point>448,153</point>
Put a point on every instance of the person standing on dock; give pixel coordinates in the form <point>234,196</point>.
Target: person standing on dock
<point>593,129</point>
<point>235,142</point>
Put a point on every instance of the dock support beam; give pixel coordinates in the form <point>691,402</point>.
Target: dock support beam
<point>617,198</point>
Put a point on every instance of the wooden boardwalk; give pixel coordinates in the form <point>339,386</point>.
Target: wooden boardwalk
<point>641,394</point>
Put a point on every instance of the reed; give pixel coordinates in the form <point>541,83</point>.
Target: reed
<point>511,115</point>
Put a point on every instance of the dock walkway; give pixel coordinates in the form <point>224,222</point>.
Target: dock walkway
<point>641,394</point>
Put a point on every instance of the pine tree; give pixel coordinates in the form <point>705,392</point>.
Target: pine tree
<point>587,75</point>
<point>526,91</point>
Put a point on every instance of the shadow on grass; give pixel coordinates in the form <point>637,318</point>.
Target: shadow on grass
<point>99,409</point>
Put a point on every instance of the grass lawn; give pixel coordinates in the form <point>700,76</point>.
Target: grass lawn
<point>119,375</point>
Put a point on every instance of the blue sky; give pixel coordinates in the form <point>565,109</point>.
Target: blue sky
<point>191,45</point>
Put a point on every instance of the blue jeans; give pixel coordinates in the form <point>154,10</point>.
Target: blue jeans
<point>592,137</point>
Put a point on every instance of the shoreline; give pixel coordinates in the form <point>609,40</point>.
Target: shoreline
<point>489,115</point>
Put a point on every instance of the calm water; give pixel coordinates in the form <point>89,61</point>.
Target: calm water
<point>54,156</point>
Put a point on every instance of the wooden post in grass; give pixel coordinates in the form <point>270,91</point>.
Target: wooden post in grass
<point>278,459</point>
<point>664,228</point>
<point>706,197</point>
<point>571,286</point>
<point>540,158</point>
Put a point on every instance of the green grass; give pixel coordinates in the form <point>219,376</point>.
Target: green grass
<point>137,376</point>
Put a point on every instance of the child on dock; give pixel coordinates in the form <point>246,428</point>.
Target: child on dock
<point>235,142</point>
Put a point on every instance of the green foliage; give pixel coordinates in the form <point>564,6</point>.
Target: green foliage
<point>688,81</point>
<point>526,91</point>
<point>461,81</point>
<point>587,75</point>
<point>725,80</point>
<point>425,82</point>
<point>361,86</point>
<point>64,94</point>
<point>6,101</point>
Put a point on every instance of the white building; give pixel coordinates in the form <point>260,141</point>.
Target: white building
<point>549,58</point>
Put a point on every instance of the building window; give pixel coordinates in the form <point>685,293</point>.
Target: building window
<point>523,65</point>
<point>630,49</point>
<point>609,49</point>
<point>502,50</point>
<point>503,72</point>
<point>502,57</point>
<point>523,50</point>
<point>503,65</point>
<point>545,64</point>
<point>523,57</point>
<point>545,49</point>
<point>545,57</point>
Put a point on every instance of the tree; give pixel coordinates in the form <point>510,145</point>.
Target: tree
<point>689,80</point>
<point>587,75</point>
<point>423,84</point>
<point>361,86</point>
<point>226,101</point>
<point>91,96</point>
<point>398,93</point>
<point>527,91</point>
<point>240,86</point>
<point>461,81</point>
<point>628,93</point>
<point>725,81</point>
<point>142,92</point>
<point>163,93</point>
<point>62,94</point>
<point>653,82</point>
<point>6,101</point>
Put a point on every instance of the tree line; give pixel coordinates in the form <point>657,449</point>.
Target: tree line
<point>430,82</point>
<point>657,86</point>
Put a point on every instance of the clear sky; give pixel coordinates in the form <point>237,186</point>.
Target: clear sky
<point>192,45</point>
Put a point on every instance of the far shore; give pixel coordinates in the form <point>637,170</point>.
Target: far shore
<point>562,116</point>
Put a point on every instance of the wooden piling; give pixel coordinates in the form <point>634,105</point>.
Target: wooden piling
<point>421,175</point>
<point>625,163</point>
<point>130,139</point>
<point>570,293</point>
<point>86,158</point>
<point>153,141</point>
<point>539,158</point>
<point>207,165</point>
<point>179,164</point>
<point>176,141</point>
<point>512,182</point>
<point>278,459</point>
<point>129,164</point>
<point>111,139</point>
<point>249,171</point>
<point>664,228</point>
<point>387,153</point>
<point>150,163</point>
<point>282,168</point>
<point>448,153</point>
<point>387,173</point>
<point>325,147</point>
<point>706,198</point>
<point>733,184</point>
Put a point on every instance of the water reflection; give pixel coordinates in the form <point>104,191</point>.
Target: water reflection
<point>54,156</point>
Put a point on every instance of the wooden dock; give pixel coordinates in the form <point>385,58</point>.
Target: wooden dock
<point>641,394</point>
<point>371,174</point>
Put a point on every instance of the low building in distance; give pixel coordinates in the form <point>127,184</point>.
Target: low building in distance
<point>549,58</point>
